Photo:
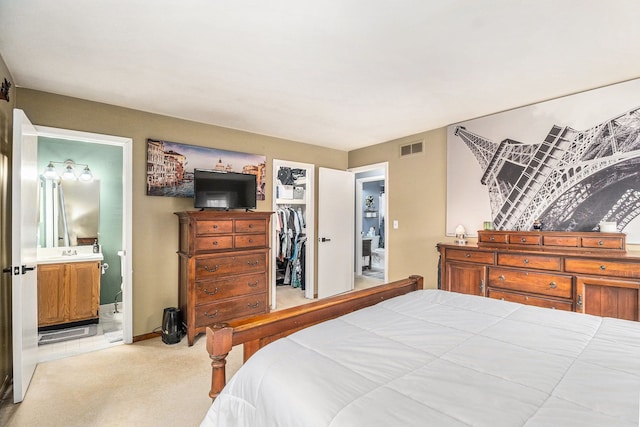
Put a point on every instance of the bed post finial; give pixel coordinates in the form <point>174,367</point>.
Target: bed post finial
<point>219,343</point>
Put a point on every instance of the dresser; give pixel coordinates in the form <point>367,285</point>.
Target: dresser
<point>223,267</point>
<point>588,272</point>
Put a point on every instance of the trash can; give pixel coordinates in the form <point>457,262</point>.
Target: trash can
<point>171,325</point>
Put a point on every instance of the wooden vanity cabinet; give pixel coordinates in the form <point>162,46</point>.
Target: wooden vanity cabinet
<point>223,267</point>
<point>585,272</point>
<point>68,293</point>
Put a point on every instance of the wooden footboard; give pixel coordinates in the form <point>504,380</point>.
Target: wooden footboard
<point>257,331</point>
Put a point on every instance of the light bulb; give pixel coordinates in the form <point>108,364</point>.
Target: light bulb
<point>68,173</point>
<point>86,174</point>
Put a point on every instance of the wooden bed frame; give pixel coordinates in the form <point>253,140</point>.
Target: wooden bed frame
<point>257,331</point>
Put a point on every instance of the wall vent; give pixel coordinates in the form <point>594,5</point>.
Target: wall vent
<point>412,149</point>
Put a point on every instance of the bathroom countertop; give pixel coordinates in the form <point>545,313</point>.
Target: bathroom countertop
<point>71,254</point>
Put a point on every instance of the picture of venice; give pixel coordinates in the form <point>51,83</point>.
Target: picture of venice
<point>170,167</point>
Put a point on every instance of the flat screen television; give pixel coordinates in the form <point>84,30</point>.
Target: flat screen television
<point>223,190</point>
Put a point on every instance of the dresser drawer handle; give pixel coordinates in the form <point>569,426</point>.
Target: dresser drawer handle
<point>250,240</point>
<point>253,285</point>
<point>215,226</point>
<point>492,238</point>
<point>526,261</point>
<point>501,277</point>
<point>601,243</point>
<point>214,243</point>
<point>250,225</point>
<point>468,255</point>
<point>553,285</point>
<point>253,262</point>
<point>211,270</point>
<point>256,305</point>
<point>524,239</point>
<point>603,267</point>
<point>215,291</point>
<point>211,316</point>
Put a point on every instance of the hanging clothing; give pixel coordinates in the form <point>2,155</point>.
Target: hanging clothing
<point>290,252</point>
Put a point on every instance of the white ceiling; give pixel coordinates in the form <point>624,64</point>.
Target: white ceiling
<point>337,73</point>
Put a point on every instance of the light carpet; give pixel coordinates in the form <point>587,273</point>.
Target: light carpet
<point>148,383</point>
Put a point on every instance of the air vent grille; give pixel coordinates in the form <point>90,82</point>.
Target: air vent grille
<point>412,149</point>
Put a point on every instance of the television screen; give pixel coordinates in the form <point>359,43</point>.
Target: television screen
<point>223,190</point>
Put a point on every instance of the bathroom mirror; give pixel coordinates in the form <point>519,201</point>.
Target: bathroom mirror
<point>69,212</point>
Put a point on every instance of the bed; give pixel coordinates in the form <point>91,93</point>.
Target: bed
<point>431,357</point>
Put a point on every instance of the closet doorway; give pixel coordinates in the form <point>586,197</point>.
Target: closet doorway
<point>293,233</point>
<point>371,242</point>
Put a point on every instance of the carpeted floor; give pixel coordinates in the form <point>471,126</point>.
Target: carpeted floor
<point>148,383</point>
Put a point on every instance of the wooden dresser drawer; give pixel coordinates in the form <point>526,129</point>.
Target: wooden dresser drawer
<point>603,242</point>
<point>470,256</point>
<point>250,241</point>
<point>488,237</point>
<point>215,266</point>
<point>540,262</point>
<point>566,241</point>
<point>524,239</point>
<point>213,243</point>
<point>530,300</point>
<point>602,267</point>
<point>204,227</point>
<point>250,226</point>
<point>529,281</point>
<point>227,287</point>
<point>235,308</point>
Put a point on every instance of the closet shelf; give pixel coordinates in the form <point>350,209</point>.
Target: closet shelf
<point>290,201</point>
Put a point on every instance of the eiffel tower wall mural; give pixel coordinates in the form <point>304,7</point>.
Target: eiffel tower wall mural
<point>570,163</point>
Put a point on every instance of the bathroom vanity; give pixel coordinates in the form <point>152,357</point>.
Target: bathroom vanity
<point>68,286</point>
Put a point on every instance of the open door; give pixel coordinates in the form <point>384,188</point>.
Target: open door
<point>336,191</point>
<point>24,225</point>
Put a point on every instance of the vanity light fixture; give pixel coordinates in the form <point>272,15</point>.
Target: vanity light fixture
<point>69,172</point>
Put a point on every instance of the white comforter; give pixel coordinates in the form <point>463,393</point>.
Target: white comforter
<point>435,358</point>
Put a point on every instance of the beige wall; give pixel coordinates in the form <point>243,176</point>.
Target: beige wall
<point>6,129</point>
<point>155,228</point>
<point>416,193</point>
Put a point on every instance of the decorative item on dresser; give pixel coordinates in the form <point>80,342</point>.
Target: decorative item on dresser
<point>588,272</point>
<point>223,270</point>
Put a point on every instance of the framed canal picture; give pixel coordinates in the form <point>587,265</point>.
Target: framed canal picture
<point>170,167</point>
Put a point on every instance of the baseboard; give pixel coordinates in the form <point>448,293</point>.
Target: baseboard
<point>68,325</point>
<point>147,336</point>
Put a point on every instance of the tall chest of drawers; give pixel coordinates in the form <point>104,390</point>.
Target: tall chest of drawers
<point>587,272</point>
<point>223,267</point>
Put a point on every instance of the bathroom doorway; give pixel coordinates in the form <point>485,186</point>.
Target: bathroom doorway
<point>371,207</point>
<point>109,159</point>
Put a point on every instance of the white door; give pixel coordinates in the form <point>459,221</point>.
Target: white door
<point>336,191</point>
<point>24,286</point>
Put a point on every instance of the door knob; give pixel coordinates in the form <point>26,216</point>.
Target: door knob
<point>25,269</point>
<point>324,239</point>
